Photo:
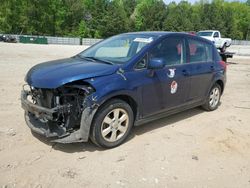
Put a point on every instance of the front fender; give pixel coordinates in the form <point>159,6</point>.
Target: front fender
<point>113,85</point>
<point>82,135</point>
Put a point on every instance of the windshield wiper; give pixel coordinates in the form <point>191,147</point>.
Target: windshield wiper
<point>98,60</point>
<point>86,58</point>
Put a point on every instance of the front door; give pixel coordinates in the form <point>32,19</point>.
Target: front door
<point>168,87</point>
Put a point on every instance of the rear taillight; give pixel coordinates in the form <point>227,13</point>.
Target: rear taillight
<point>224,65</point>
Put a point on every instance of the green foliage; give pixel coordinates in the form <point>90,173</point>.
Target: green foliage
<point>104,18</point>
<point>179,17</point>
<point>115,20</point>
<point>248,2</point>
<point>149,15</point>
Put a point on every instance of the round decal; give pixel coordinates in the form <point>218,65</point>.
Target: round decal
<point>174,86</point>
<point>171,73</point>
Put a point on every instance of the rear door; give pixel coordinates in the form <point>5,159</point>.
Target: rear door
<point>200,68</point>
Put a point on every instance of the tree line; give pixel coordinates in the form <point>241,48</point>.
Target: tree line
<point>104,18</point>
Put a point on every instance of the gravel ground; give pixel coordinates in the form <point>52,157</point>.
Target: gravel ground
<point>243,50</point>
<point>190,149</point>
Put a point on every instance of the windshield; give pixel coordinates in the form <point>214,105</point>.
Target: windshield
<point>205,34</point>
<point>118,49</point>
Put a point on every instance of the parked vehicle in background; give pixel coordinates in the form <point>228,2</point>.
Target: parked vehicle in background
<point>125,80</point>
<point>215,36</point>
<point>1,38</point>
<point>8,38</point>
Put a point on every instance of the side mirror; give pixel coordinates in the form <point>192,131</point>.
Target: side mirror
<point>156,63</point>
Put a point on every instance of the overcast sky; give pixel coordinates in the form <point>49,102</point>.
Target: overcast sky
<point>193,1</point>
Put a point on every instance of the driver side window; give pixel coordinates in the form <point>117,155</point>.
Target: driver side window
<point>170,50</point>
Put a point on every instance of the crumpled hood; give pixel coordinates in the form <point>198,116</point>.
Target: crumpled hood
<point>53,74</point>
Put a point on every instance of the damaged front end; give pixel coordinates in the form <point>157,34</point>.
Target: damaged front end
<point>63,114</point>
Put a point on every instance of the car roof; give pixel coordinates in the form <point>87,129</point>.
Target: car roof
<point>165,33</point>
<point>209,31</point>
<point>155,33</point>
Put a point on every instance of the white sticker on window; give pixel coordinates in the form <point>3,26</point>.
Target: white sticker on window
<point>145,40</point>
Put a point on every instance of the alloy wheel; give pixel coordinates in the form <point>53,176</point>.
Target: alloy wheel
<point>115,125</point>
<point>214,97</point>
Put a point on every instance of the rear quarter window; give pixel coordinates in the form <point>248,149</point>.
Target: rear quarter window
<point>199,51</point>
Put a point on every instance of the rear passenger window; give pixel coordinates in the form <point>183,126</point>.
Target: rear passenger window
<point>199,51</point>
<point>209,52</point>
<point>170,49</point>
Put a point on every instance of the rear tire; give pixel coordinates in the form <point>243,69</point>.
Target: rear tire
<point>213,99</point>
<point>112,124</point>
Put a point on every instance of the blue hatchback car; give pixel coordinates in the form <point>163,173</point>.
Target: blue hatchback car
<point>121,82</point>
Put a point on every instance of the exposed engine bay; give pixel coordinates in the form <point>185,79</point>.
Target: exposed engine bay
<point>55,112</point>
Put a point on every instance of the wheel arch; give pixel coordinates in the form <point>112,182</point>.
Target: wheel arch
<point>221,84</point>
<point>122,97</point>
<point>126,98</point>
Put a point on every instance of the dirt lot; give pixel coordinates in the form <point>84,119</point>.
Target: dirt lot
<point>190,149</point>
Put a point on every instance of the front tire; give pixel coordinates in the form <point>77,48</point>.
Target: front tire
<point>213,99</point>
<point>112,124</point>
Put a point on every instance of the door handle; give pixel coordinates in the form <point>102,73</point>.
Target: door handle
<point>212,68</point>
<point>185,72</point>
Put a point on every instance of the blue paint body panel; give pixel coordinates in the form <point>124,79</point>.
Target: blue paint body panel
<point>151,90</point>
<point>57,73</point>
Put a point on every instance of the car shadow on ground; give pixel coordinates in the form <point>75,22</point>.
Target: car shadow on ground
<point>68,148</point>
<point>136,131</point>
<point>166,121</point>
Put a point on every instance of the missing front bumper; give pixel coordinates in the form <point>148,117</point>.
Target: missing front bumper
<point>35,114</point>
<point>42,112</point>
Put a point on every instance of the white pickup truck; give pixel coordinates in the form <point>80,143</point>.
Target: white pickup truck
<point>215,37</point>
